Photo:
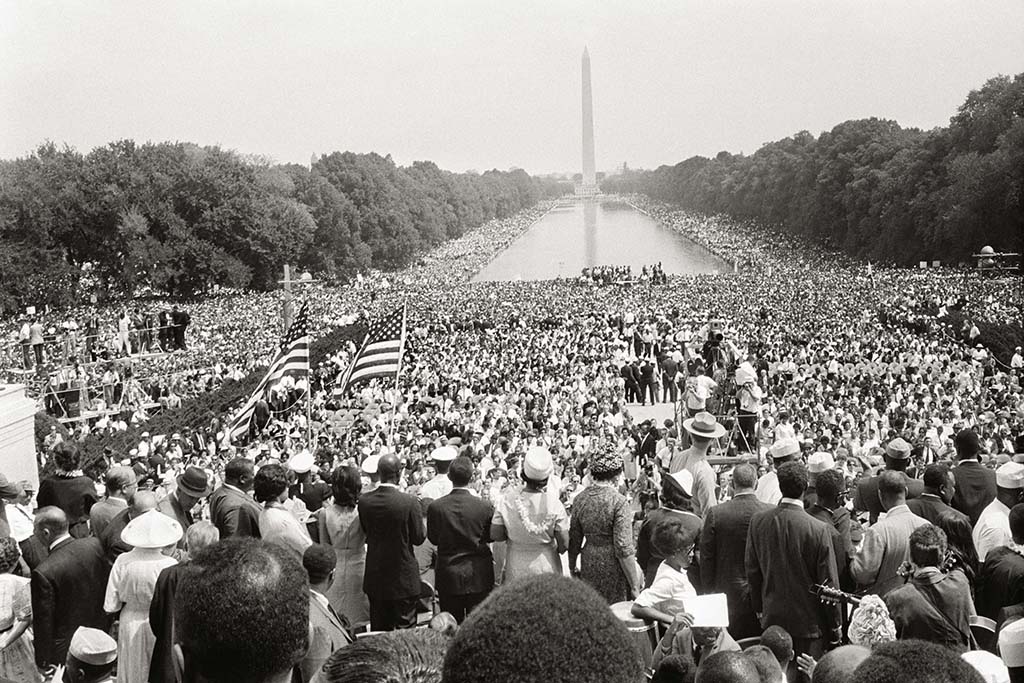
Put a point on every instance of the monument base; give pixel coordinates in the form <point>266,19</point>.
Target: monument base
<point>17,435</point>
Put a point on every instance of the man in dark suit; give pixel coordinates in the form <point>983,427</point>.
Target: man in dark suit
<point>723,546</point>
<point>393,523</point>
<point>459,525</point>
<point>975,483</point>
<point>788,553</point>
<point>647,443</point>
<point>939,487</point>
<point>140,503</point>
<point>828,507</point>
<point>897,457</point>
<point>192,486</point>
<point>232,509</point>
<point>328,631</point>
<point>67,587</point>
<point>161,608</point>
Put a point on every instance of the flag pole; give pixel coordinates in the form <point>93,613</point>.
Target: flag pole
<point>398,372</point>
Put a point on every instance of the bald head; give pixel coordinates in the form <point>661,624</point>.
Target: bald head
<point>389,467</point>
<point>838,665</point>
<point>141,502</point>
<point>49,524</point>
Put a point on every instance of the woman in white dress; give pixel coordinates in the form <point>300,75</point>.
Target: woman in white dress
<point>533,522</point>
<point>278,524</point>
<point>17,658</point>
<point>130,589</point>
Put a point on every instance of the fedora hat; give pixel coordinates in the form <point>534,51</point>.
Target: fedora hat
<point>704,425</point>
<point>194,482</point>
<point>152,529</point>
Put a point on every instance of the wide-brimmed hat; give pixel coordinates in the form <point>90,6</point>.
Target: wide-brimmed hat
<point>152,529</point>
<point>704,425</point>
<point>538,464</point>
<point>194,482</point>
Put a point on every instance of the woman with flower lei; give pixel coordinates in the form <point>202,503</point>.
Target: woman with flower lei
<point>532,520</point>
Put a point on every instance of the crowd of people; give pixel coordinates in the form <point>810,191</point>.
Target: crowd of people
<point>622,275</point>
<point>831,442</point>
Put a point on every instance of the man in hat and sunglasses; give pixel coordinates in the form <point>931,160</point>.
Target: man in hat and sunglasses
<point>192,486</point>
<point>703,428</point>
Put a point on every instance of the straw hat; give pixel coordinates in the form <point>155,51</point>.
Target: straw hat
<point>152,529</point>
<point>704,425</point>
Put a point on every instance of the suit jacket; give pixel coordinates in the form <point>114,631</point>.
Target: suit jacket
<point>1000,582</point>
<point>975,488</point>
<point>682,644</point>
<point>326,634</point>
<point>459,524</point>
<point>234,513</point>
<point>110,539</point>
<point>917,616</point>
<point>161,621</point>
<point>930,507</point>
<point>74,495</point>
<point>171,507</point>
<point>102,512</point>
<point>788,552</point>
<point>67,592</point>
<point>885,547</point>
<point>866,495</point>
<point>723,548</point>
<point>393,523</point>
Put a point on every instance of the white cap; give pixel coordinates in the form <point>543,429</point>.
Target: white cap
<point>684,479</point>
<point>538,464</point>
<point>819,462</point>
<point>1011,643</point>
<point>783,448</point>
<point>990,667</point>
<point>369,465</point>
<point>93,646</point>
<point>1010,476</point>
<point>444,454</point>
<point>301,462</point>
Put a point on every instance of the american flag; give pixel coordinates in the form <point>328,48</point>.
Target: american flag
<point>291,360</point>
<point>381,355</point>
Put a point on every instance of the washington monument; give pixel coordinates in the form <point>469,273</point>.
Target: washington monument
<point>589,184</point>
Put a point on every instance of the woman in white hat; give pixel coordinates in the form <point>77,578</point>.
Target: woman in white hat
<point>130,589</point>
<point>535,524</point>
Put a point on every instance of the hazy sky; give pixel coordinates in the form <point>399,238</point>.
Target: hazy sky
<point>478,84</point>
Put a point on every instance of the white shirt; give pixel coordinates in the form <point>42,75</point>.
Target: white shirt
<point>668,584</point>
<point>437,487</point>
<point>993,529</point>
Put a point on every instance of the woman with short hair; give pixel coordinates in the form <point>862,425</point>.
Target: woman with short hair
<point>339,527</point>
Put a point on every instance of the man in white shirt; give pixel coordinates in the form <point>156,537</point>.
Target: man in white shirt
<point>993,528</point>
<point>782,451</point>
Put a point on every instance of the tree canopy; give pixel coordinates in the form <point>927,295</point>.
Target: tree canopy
<point>177,218</point>
<point>872,188</point>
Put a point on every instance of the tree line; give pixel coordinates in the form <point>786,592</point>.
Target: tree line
<point>177,218</point>
<point>872,188</point>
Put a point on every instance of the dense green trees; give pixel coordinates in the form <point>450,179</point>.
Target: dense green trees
<point>872,188</point>
<point>177,218</point>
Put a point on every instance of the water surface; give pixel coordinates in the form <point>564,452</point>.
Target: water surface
<point>576,235</point>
